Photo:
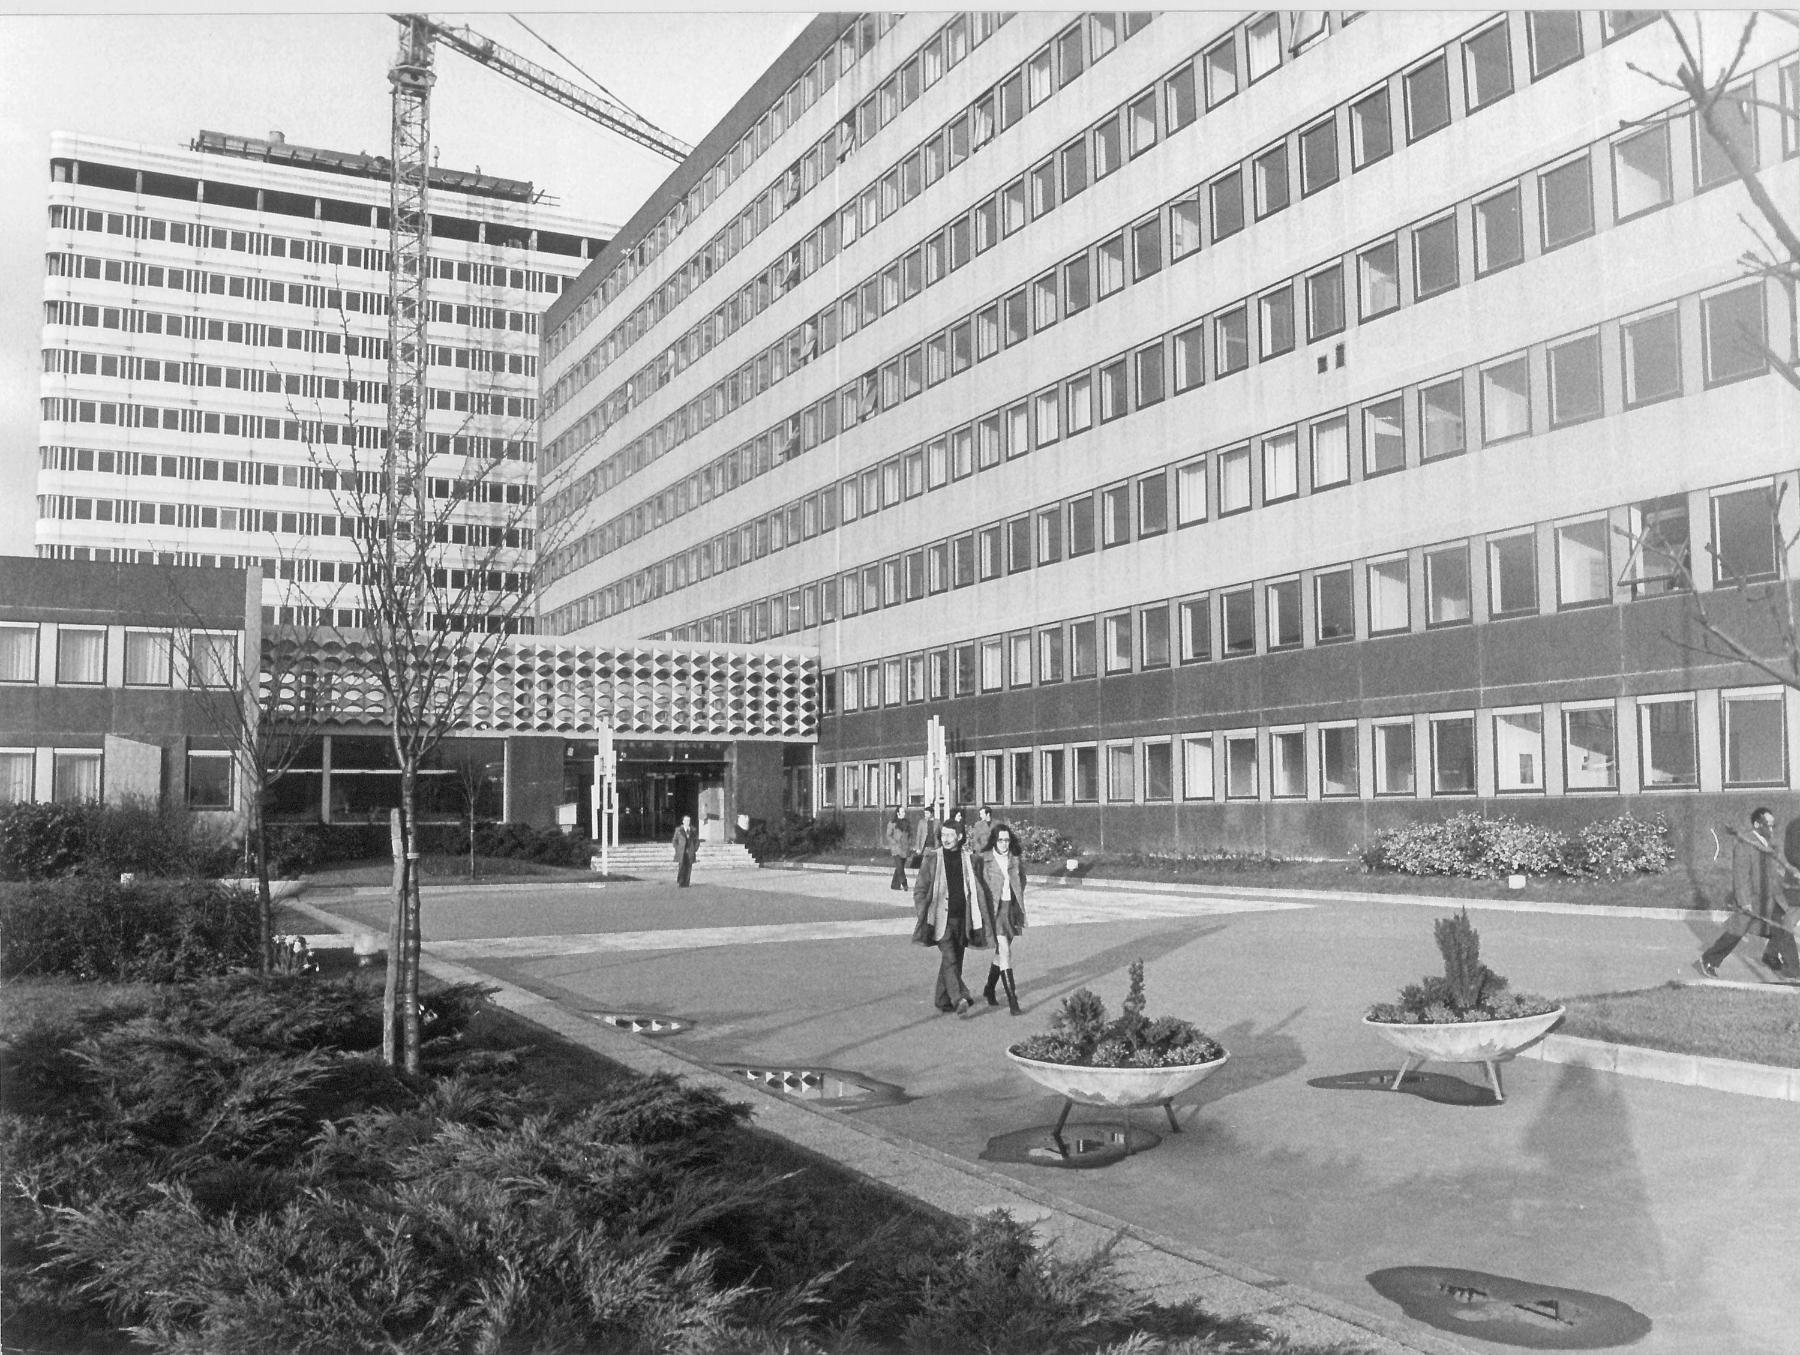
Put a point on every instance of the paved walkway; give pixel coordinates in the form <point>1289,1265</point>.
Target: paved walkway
<point>1682,1203</point>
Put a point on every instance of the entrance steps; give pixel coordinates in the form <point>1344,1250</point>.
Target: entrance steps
<point>658,858</point>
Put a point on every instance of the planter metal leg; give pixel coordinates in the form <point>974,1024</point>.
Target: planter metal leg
<point>1493,1072</point>
<point>1062,1119</point>
<point>1411,1063</point>
<point>1174,1126</point>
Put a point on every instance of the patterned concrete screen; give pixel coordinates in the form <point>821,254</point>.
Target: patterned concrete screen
<point>831,1087</point>
<point>525,684</point>
<point>1510,1312</point>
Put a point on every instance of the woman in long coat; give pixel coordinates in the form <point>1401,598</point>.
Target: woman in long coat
<point>898,847</point>
<point>1002,881</point>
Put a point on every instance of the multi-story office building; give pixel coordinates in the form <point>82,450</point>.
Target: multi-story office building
<point>1244,431</point>
<point>215,356</point>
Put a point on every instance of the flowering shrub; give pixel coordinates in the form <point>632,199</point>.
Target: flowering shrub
<point>1042,844</point>
<point>1080,1034</point>
<point>1466,991</point>
<point>1479,847</point>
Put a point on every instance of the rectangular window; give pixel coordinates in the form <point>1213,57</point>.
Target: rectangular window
<point>1512,575</point>
<point>1371,131</point>
<point>1238,620</point>
<point>1287,764</point>
<point>148,658</point>
<point>81,657</point>
<point>1234,480</point>
<point>1018,663</point>
<point>1044,301</point>
<point>1083,658</point>
<point>1734,118</point>
<point>1659,550</point>
<point>208,780</point>
<point>1334,611</point>
<point>1427,99</point>
<point>1378,279</point>
<point>1109,265</point>
<point>1050,655</point>
<point>1140,118</point>
<point>1384,436</point>
<point>1240,767</point>
<point>1220,62</point>
<point>1394,759</point>
<point>1047,413</point>
<point>1053,784</point>
<point>18,654</point>
<point>1325,302</point>
<point>1338,761</point>
<point>1179,102</point>
<point>1282,602</point>
<point>1159,778</point>
<point>1732,334</point>
<point>1087,773</point>
<point>1566,202</point>
<point>1049,536</point>
<point>1518,751</point>
<point>915,677</point>
<point>1590,749</point>
<point>1651,348</point>
<point>1441,418</point>
<point>1487,66</point>
<point>1148,362</point>
<point>1227,192</point>
<point>1184,226</point>
<point>1121,768</point>
<point>1080,394</point>
<point>1434,256</point>
<point>1153,504</point>
<point>1195,617</point>
<point>1389,607</point>
<point>1506,400</point>
<point>1447,585</point>
<point>1755,740</point>
<point>1074,168</point>
<point>1153,632</point>
<point>1077,291</point>
<point>1582,576</point>
<point>1555,39</point>
<point>1190,493</point>
<point>1281,467</point>
<point>1262,46</point>
<point>1119,643</point>
<point>1146,248</point>
<point>1453,755</point>
<point>992,666</point>
<point>1113,402</point>
<point>1318,156</point>
<point>1197,767</point>
<point>1108,154</point>
<point>74,777</point>
<point>1231,341</point>
<point>1746,539</point>
<point>1271,171</point>
<point>964,669</point>
<point>1574,380</point>
<point>1499,232</point>
<point>1642,179</point>
<point>18,776</point>
<point>1330,452</point>
<point>1019,780</point>
<point>1276,314</point>
<point>1668,750</point>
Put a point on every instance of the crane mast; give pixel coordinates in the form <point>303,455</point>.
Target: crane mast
<point>409,263</point>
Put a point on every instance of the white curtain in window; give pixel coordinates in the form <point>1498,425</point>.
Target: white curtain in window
<point>18,653</point>
<point>76,777</point>
<point>16,770</point>
<point>147,658</point>
<point>81,656</point>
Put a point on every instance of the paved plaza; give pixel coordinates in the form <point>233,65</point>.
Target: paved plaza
<point>1680,1203</point>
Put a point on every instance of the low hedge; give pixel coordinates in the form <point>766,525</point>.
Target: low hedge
<point>795,835</point>
<point>1488,847</point>
<point>156,931</point>
<point>46,841</point>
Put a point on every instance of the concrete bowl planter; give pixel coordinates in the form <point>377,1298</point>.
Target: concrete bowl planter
<point>1486,1042</point>
<point>1116,1088</point>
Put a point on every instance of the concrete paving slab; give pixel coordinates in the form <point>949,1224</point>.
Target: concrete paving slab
<point>1678,1201</point>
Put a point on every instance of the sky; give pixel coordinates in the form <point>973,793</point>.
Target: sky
<point>321,79</point>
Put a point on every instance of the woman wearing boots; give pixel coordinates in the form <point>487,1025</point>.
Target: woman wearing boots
<point>1003,907</point>
<point>899,846</point>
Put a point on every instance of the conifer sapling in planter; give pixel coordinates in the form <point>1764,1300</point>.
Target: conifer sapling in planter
<point>1135,1060</point>
<point>1466,1015</point>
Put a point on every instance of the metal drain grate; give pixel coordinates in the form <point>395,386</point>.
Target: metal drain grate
<point>638,1023</point>
<point>825,1086</point>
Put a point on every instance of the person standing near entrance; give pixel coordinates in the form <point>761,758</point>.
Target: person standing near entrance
<point>899,847</point>
<point>947,912</point>
<point>687,847</point>
<point>1757,875</point>
<point>1003,909</point>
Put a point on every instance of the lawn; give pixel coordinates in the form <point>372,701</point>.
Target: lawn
<point>1726,1023</point>
<point>444,868</point>
<point>1703,885</point>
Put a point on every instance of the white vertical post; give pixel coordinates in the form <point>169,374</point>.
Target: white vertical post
<point>606,800</point>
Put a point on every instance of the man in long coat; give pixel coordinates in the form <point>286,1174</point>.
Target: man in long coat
<point>947,914</point>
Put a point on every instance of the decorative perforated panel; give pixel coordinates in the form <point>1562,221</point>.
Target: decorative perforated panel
<point>532,685</point>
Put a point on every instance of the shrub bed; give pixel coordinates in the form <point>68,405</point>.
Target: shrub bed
<point>225,1169</point>
<point>795,835</point>
<point>151,931</point>
<point>48,841</point>
<point>1487,847</point>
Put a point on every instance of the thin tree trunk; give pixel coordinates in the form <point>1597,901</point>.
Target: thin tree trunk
<point>265,908</point>
<point>390,1002</point>
<point>409,977</point>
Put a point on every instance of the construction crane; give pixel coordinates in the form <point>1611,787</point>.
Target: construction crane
<point>409,237</point>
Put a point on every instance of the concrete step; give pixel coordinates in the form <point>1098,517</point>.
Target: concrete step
<point>649,857</point>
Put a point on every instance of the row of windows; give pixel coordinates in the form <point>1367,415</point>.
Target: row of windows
<point>1125,132</point>
<point>77,776</point>
<point>137,226</point>
<point>1269,325</point>
<point>946,48</point>
<point>135,273</point>
<point>1004,104</point>
<point>285,524</point>
<point>151,658</point>
<point>1443,753</point>
<point>1547,386</point>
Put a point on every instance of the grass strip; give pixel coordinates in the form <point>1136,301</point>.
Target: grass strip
<point>1724,1023</point>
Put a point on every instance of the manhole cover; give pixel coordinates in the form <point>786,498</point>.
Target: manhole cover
<point>824,1086</point>
<point>1077,1146</point>
<point>1436,1087</point>
<point>637,1023</point>
<point>1510,1312</point>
